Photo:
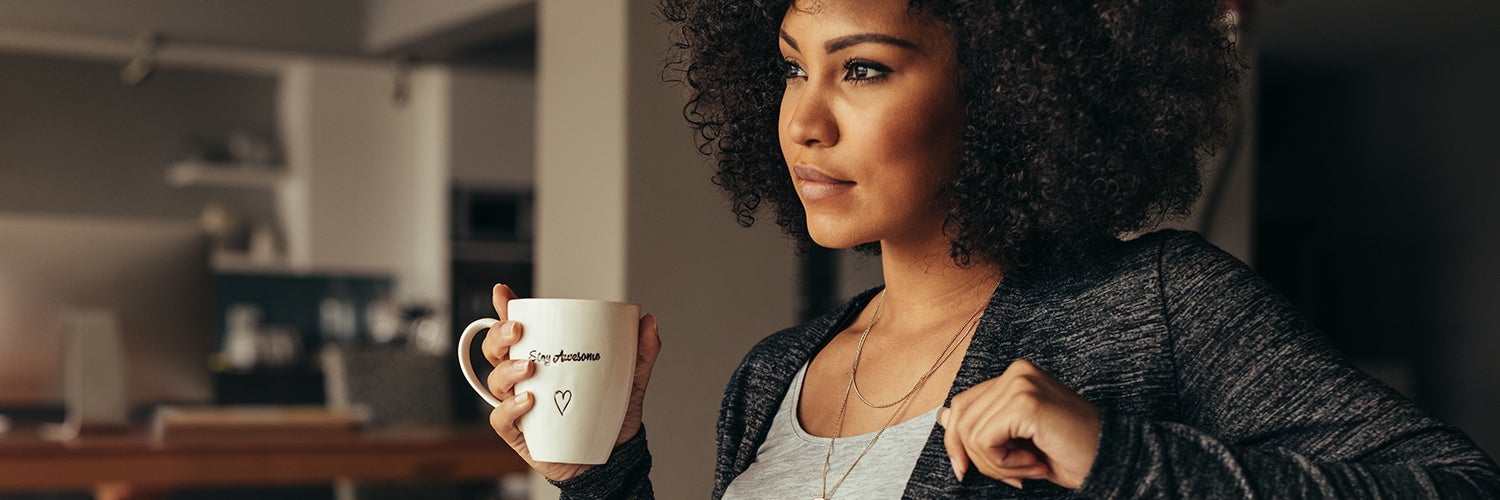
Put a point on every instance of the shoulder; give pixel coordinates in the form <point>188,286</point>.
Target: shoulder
<point>1117,271</point>
<point>1172,259</point>
<point>1152,276</point>
<point>1186,252</point>
<point>1192,269</point>
<point>1171,250</point>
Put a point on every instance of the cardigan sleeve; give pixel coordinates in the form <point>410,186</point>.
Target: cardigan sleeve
<point>627,474</point>
<point>734,452</point>
<point>1270,409</point>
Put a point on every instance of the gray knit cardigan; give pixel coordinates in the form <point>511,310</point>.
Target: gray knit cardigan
<point>1209,382</point>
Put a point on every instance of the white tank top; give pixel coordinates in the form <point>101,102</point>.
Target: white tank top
<point>789,463</point>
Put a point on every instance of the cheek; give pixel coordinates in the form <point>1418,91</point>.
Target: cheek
<point>921,138</point>
<point>934,125</point>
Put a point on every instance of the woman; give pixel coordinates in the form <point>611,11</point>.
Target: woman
<point>990,152</point>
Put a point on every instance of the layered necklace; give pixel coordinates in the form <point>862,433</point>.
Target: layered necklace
<point>903,402</point>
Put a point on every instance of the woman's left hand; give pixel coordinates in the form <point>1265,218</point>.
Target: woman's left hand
<point>1023,424</point>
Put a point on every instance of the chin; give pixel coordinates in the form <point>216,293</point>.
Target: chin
<point>836,244</point>
<point>834,235</point>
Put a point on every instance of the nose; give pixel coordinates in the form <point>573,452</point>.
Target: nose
<point>807,116</point>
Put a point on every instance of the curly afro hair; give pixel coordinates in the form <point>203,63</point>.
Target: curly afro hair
<point>1084,120</point>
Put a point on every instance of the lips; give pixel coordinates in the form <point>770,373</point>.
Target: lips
<point>817,185</point>
<point>810,174</point>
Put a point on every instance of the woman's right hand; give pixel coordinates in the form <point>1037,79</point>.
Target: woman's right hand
<point>502,382</point>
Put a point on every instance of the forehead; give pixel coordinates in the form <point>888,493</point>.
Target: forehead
<point>822,19</point>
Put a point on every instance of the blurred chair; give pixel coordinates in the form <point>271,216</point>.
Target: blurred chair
<point>392,386</point>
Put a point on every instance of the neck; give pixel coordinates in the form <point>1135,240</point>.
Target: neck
<point>922,281</point>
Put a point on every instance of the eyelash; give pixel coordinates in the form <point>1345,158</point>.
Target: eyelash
<point>790,70</point>
<point>852,65</point>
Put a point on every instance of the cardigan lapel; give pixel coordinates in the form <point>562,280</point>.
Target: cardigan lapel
<point>799,351</point>
<point>991,350</point>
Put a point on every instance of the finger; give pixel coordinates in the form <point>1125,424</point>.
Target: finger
<point>497,341</point>
<point>1019,458</point>
<point>501,295</point>
<point>972,426</point>
<point>1016,464</point>
<point>1005,414</point>
<point>951,441</point>
<point>1032,472</point>
<point>984,458</point>
<point>1013,477</point>
<point>993,442</point>
<point>503,420</point>
<point>1022,366</point>
<point>966,417</point>
<point>982,426</point>
<point>502,380</point>
<point>648,349</point>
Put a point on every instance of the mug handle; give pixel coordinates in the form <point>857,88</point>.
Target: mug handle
<point>466,366</point>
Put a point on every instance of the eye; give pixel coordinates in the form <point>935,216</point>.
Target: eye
<point>864,71</point>
<point>790,69</point>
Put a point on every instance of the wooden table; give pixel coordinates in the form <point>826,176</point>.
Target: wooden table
<point>135,466</point>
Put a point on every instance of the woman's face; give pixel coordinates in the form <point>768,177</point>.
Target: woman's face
<point>871,119</point>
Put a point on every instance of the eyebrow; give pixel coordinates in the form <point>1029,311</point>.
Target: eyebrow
<point>847,41</point>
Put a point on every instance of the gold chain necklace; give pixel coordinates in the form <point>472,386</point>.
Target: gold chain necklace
<point>905,401</point>
<point>947,352</point>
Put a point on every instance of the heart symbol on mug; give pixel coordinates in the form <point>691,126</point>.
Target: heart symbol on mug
<point>561,399</point>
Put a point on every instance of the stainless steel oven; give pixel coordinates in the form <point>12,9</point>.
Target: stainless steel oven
<point>492,242</point>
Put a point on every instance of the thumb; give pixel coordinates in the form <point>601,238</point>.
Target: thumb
<point>647,349</point>
<point>649,345</point>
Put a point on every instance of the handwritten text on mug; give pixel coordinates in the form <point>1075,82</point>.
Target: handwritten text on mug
<point>563,357</point>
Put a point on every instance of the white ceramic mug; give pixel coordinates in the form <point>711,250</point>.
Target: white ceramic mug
<point>583,354</point>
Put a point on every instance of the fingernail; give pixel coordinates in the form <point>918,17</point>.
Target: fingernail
<point>523,398</point>
<point>521,367</point>
<point>943,417</point>
<point>1013,482</point>
<point>958,473</point>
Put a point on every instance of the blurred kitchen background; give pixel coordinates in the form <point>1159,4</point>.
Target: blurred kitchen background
<point>294,203</point>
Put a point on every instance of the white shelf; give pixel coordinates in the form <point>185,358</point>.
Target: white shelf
<point>195,173</point>
<point>242,263</point>
<point>229,262</point>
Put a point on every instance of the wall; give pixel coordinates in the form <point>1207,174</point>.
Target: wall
<point>626,210</point>
<point>73,140</point>
<point>1467,271</point>
<point>581,192</point>
<point>718,288</point>
<point>324,26</point>
<point>1405,266</point>
<point>376,173</point>
<point>493,128</point>
<point>379,170</point>
<point>370,176</point>
<point>390,23</point>
<point>1391,108</point>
